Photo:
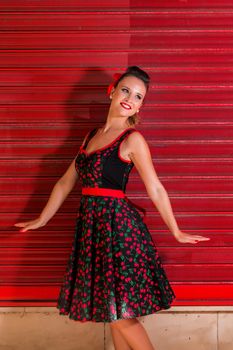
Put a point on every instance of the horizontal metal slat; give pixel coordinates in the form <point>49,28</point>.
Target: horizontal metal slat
<point>28,256</point>
<point>184,184</point>
<point>34,77</point>
<point>84,58</point>
<point>118,40</point>
<point>120,5</point>
<point>137,19</point>
<point>40,239</point>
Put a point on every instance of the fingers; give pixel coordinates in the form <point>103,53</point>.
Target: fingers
<point>202,238</point>
<point>197,239</point>
<point>29,225</point>
<point>24,229</point>
<point>20,224</point>
<point>193,239</point>
<point>25,226</point>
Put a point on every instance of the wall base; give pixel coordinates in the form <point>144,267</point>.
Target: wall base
<point>179,328</point>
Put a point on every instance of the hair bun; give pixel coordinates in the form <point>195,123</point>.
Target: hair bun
<point>135,70</point>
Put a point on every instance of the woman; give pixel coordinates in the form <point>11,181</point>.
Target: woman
<point>114,273</point>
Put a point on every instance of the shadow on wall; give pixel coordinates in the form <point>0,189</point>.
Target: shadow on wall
<point>37,259</point>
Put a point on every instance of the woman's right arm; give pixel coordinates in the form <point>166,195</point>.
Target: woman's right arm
<point>59,193</point>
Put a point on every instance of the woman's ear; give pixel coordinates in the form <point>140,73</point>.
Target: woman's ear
<point>112,92</point>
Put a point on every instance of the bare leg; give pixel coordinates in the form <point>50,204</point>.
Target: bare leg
<point>118,340</point>
<point>134,333</point>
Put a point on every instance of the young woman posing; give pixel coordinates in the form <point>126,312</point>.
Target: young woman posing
<point>114,273</point>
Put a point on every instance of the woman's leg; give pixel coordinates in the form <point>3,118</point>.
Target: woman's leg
<point>118,340</point>
<point>134,334</point>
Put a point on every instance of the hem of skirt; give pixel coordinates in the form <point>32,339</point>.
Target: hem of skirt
<point>151,312</point>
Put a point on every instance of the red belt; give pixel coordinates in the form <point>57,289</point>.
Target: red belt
<point>98,191</point>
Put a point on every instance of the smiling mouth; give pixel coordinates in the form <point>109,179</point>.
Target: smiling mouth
<point>125,106</point>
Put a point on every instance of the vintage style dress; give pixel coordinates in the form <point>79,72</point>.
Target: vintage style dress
<point>114,270</point>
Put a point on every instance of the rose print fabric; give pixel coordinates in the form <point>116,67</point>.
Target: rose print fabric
<point>114,270</point>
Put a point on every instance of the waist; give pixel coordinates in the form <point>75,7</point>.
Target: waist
<point>99,191</point>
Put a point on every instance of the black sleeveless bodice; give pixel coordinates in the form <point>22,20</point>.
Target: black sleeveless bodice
<point>104,167</point>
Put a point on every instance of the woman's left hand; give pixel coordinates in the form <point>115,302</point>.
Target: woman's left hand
<point>183,237</point>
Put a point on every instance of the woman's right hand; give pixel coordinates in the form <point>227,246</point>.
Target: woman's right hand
<point>30,225</point>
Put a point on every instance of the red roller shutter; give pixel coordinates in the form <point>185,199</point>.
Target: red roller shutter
<point>57,58</point>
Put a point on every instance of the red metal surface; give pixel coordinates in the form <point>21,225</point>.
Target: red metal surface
<point>57,59</point>
<point>189,295</point>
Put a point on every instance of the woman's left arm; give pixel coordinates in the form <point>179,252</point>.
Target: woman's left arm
<point>139,153</point>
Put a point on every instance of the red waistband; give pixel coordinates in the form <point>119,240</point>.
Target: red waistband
<point>98,191</point>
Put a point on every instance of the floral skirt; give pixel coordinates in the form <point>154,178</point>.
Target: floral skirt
<point>114,270</point>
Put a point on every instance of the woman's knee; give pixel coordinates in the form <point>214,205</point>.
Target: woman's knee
<point>119,324</point>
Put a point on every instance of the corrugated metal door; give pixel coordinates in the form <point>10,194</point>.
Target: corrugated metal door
<point>57,58</point>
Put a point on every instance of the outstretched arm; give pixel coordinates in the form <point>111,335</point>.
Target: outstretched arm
<point>59,193</point>
<point>139,153</point>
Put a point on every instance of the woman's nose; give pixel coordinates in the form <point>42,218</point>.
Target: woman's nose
<point>128,98</point>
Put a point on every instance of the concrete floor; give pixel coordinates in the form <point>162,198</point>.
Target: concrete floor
<point>179,328</point>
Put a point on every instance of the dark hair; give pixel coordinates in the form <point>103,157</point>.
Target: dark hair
<point>140,74</point>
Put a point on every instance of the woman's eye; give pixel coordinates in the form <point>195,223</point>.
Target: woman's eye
<point>139,97</point>
<point>124,89</point>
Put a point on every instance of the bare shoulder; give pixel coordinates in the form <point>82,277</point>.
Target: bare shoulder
<point>135,136</point>
<point>136,147</point>
<point>136,141</point>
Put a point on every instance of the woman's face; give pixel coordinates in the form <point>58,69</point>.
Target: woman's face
<point>128,96</point>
